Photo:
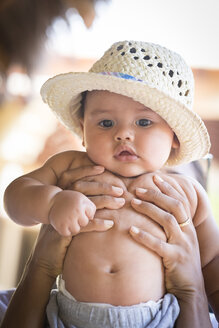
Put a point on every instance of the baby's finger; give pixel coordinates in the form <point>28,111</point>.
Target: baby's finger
<point>98,225</point>
<point>109,202</point>
<point>90,210</point>
<point>83,221</point>
<point>92,188</point>
<point>70,176</point>
<point>66,231</point>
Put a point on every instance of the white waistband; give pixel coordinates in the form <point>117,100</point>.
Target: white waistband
<point>61,288</point>
<point>60,282</point>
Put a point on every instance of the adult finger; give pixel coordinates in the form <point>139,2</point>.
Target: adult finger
<point>166,220</point>
<point>162,248</point>
<point>98,225</point>
<point>92,188</point>
<point>173,189</point>
<point>171,181</point>
<point>70,176</point>
<point>109,202</point>
<point>170,205</point>
<point>181,259</point>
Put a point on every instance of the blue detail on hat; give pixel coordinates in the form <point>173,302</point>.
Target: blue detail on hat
<point>121,75</point>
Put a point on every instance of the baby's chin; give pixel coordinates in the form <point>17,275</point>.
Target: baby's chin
<point>128,172</point>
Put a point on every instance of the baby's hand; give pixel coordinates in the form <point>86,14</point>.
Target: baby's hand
<point>70,212</point>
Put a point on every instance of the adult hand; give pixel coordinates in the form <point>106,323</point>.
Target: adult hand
<point>27,307</point>
<point>180,252</point>
<point>85,180</point>
<point>49,252</point>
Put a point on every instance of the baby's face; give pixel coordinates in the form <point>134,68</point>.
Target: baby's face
<point>123,135</point>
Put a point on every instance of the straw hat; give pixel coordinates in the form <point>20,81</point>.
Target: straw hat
<point>150,74</point>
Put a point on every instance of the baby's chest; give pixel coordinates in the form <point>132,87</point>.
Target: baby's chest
<point>127,216</point>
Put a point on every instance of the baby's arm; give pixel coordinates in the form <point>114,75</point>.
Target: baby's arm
<point>36,198</point>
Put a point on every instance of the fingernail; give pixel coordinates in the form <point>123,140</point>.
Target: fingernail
<point>141,190</point>
<point>118,190</point>
<point>158,178</point>
<point>136,201</point>
<point>109,223</point>
<point>120,200</point>
<point>99,168</point>
<point>134,230</point>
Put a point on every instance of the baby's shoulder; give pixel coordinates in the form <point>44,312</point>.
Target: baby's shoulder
<point>188,184</point>
<point>68,160</point>
<point>177,180</point>
<point>146,180</point>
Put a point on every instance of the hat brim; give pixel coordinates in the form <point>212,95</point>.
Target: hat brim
<point>62,94</point>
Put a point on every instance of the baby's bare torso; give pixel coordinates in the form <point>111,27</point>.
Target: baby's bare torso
<point>110,267</point>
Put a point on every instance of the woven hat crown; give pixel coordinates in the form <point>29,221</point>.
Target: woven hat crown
<point>146,72</point>
<point>153,64</point>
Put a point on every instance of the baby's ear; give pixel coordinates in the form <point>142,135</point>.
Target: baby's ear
<point>175,144</point>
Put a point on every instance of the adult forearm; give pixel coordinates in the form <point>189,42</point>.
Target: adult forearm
<point>28,304</point>
<point>194,312</point>
<point>28,201</point>
<point>212,285</point>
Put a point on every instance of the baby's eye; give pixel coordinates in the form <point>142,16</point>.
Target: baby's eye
<point>143,122</point>
<point>106,123</point>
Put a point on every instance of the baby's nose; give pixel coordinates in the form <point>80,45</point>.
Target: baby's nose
<point>124,134</point>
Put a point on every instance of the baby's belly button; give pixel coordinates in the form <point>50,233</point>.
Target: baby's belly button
<point>115,284</point>
<point>110,269</point>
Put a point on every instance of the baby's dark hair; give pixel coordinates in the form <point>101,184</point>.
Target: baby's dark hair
<point>82,108</point>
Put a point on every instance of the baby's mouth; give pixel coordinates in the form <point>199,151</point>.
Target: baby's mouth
<point>125,154</point>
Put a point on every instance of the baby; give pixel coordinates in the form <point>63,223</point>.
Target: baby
<point>135,119</point>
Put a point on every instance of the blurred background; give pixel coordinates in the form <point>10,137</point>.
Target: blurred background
<point>41,38</point>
